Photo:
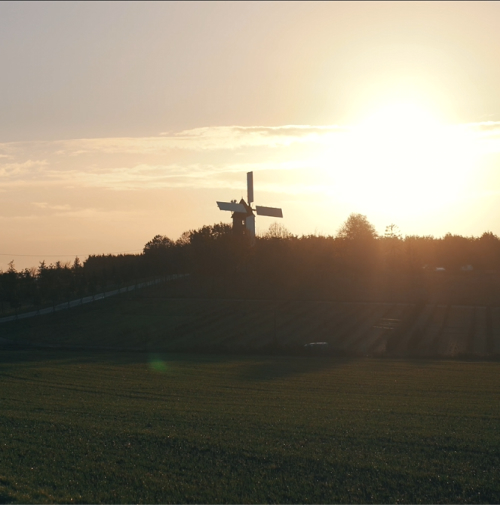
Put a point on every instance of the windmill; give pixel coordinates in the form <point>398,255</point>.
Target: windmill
<point>243,214</point>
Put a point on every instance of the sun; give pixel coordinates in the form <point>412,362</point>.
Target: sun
<point>402,161</point>
<point>395,117</point>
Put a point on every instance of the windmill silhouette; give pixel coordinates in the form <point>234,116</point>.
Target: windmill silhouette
<point>243,213</point>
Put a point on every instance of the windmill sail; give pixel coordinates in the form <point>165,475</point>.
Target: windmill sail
<point>250,187</point>
<point>232,206</point>
<point>268,211</point>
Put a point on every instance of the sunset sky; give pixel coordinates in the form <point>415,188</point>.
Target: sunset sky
<point>120,121</point>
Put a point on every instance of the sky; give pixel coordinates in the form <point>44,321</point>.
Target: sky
<point>123,120</point>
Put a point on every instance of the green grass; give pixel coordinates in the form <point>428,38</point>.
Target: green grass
<point>122,428</point>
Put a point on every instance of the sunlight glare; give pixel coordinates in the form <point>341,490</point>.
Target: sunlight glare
<point>401,161</point>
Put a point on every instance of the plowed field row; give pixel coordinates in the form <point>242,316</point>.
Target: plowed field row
<point>166,324</point>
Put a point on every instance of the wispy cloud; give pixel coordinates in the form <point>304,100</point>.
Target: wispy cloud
<point>47,206</point>
<point>484,127</point>
<point>209,158</point>
<point>197,139</point>
<point>196,175</point>
<point>16,169</point>
<point>65,211</point>
<point>234,137</point>
<point>213,138</point>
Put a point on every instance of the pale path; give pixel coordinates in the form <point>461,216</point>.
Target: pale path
<point>89,299</point>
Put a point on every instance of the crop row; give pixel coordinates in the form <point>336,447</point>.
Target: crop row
<point>167,324</point>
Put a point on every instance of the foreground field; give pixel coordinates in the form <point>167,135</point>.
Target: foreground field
<point>151,428</point>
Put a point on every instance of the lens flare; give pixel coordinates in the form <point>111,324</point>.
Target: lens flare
<point>157,364</point>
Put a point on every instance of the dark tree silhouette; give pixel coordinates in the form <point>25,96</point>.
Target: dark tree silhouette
<point>357,227</point>
<point>158,244</point>
<point>356,264</point>
<point>359,244</point>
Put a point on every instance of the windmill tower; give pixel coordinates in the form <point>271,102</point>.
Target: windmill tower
<point>243,214</point>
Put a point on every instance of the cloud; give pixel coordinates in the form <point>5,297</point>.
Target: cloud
<point>213,138</point>
<point>45,205</point>
<point>486,135</point>
<point>207,160</point>
<point>196,175</point>
<point>486,128</point>
<point>197,139</point>
<point>234,137</point>
<point>65,211</point>
<point>27,167</point>
<point>99,214</point>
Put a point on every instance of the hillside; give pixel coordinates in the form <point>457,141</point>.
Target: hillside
<point>154,320</point>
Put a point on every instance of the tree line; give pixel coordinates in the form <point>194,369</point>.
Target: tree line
<point>355,264</point>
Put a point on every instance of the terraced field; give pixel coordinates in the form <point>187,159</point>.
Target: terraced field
<point>152,322</point>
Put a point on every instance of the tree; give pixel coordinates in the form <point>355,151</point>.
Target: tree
<point>277,230</point>
<point>357,227</point>
<point>158,255</point>
<point>488,251</point>
<point>183,240</point>
<point>211,233</point>
<point>12,286</point>
<point>392,232</point>
<point>392,243</point>
<point>216,249</point>
<point>359,244</point>
<point>158,244</point>
<point>454,251</point>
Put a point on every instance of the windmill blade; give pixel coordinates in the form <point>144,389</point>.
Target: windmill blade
<point>268,211</point>
<point>231,206</point>
<point>250,187</point>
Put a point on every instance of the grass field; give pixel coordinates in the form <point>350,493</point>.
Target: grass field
<point>143,427</point>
